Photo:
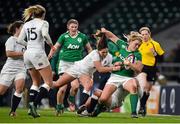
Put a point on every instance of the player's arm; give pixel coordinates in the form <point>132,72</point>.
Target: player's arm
<point>14,54</point>
<point>88,47</point>
<point>45,34</point>
<point>103,69</point>
<point>136,66</point>
<point>109,35</point>
<point>21,38</point>
<point>54,50</point>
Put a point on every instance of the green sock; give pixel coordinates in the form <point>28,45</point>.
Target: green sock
<point>71,99</point>
<point>59,106</point>
<point>133,100</point>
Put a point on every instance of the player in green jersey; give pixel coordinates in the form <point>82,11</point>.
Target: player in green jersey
<point>131,64</point>
<point>71,44</point>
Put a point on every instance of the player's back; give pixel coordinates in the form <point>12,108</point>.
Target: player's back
<point>34,34</point>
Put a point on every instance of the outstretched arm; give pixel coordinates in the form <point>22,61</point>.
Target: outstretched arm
<point>109,35</point>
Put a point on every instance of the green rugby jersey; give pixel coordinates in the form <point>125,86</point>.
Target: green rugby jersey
<point>113,48</point>
<point>72,48</point>
<point>122,54</point>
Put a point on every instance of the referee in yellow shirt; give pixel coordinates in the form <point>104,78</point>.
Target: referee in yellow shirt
<point>149,49</point>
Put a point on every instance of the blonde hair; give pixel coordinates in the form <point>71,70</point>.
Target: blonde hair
<point>145,28</point>
<point>133,36</point>
<point>35,11</point>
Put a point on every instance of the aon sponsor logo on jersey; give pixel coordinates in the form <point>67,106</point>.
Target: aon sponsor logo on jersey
<point>71,46</point>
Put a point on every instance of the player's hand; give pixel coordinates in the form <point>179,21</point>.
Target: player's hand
<point>118,64</point>
<point>126,62</point>
<point>116,68</point>
<point>153,51</point>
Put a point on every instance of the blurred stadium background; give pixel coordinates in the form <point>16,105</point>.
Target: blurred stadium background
<point>119,16</point>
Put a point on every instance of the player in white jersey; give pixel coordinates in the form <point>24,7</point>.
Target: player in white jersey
<point>36,30</point>
<point>84,69</point>
<point>14,69</point>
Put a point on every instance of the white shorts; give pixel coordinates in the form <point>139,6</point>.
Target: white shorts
<point>77,70</point>
<point>118,97</point>
<point>118,80</point>
<point>8,79</point>
<point>35,59</point>
<point>64,66</point>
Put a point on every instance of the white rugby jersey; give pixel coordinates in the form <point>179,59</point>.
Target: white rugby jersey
<point>13,65</point>
<point>87,64</point>
<point>32,30</point>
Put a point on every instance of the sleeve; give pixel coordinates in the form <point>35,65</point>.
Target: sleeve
<point>159,49</point>
<point>120,43</point>
<point>95,56</point>
<point>138,56</point>
<point>10,45</point>
<point>110,58</point>
<point>21,37</point>
<point>112,47</point>
<point>45,32</point>
<point>61,39</point>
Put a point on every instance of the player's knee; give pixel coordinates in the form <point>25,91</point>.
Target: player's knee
<point>103,99</point>
<point>97,92</point>
<point>61,91</point>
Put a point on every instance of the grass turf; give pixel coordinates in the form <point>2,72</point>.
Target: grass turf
<point>48,116</point>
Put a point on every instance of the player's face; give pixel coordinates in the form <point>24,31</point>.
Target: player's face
<point>134,45</point>
<point>145,35</point>
<point>72,28</point>
<point>103,53</point>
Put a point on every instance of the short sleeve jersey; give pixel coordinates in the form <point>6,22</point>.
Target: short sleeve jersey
<point>72,48</point>
<point>132,56</point>
<point>33,32</point>
<point>87,63</point>
<point>147,56</point>
<point>13,65</point>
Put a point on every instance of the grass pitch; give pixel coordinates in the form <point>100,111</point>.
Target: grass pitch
<point>48,116</point>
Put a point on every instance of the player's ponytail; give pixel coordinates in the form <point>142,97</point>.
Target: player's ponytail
<point>102,43</point>
<point>35,11</point>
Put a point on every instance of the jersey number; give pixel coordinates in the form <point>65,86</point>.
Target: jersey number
<point>32,35</point>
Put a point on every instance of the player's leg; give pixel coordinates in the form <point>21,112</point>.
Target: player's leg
<point>87,83</point>
<point>5,82</point>
<point>19,86</point>
<point>72,93</point>
<point>60,99</point>
<point>131,86</point>
<point>36,79</point>
<point>46,74</point>
<point>108,90</point>
<point>94,100</point>
<point>3,89</point>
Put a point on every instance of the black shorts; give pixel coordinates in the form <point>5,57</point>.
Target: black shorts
<point>151,73</point>
<point>101,78</point>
